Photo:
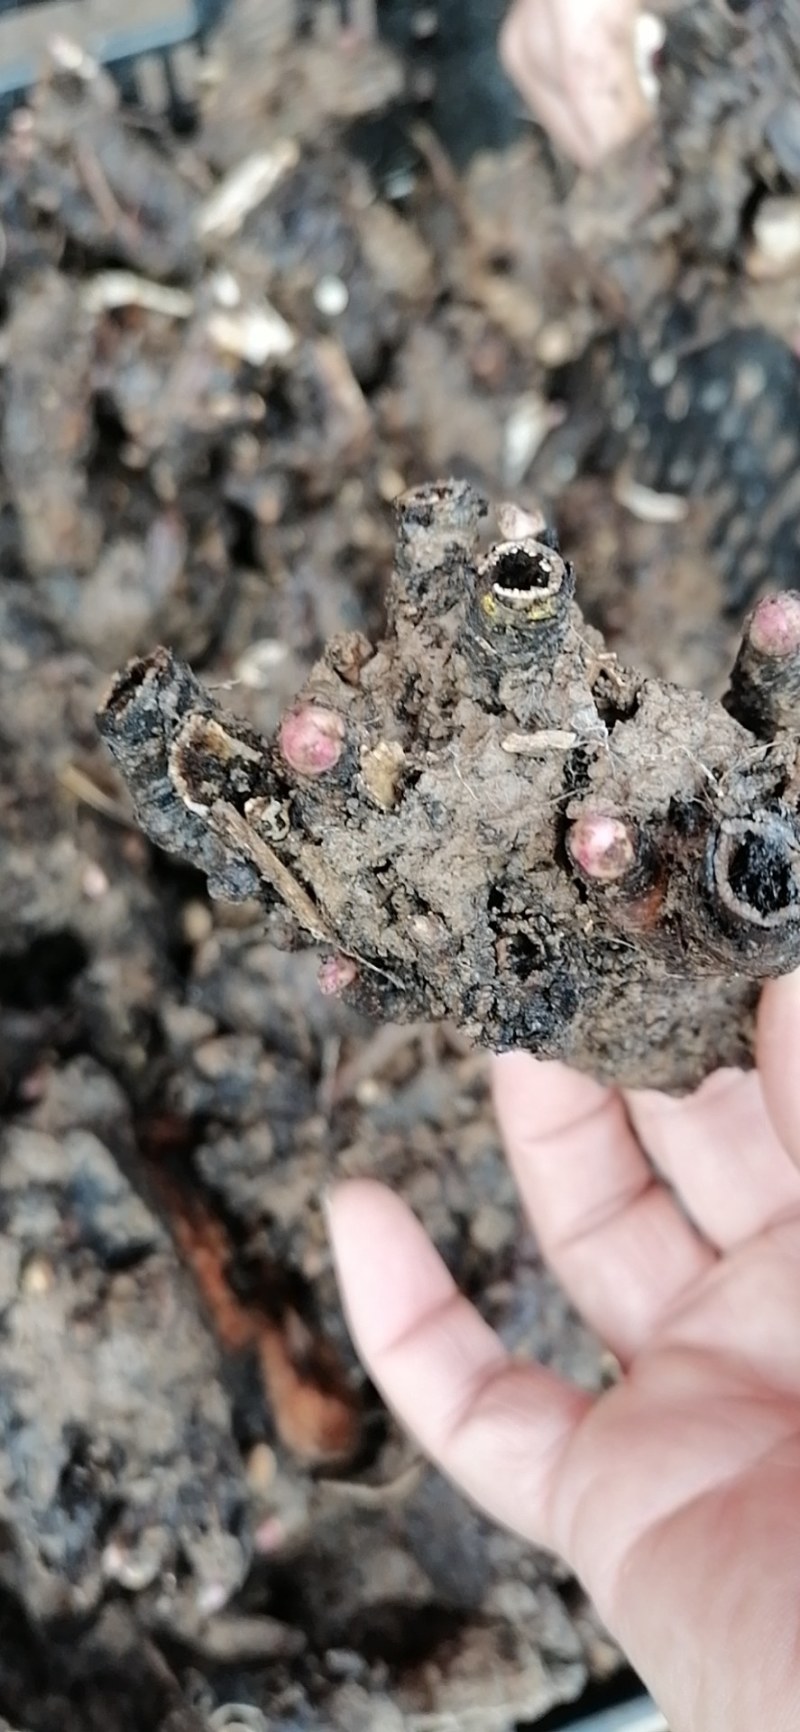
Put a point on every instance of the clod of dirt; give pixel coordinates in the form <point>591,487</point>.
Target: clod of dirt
<point>47,429</point>
<point>492,821</point>
<point>119,1465</point>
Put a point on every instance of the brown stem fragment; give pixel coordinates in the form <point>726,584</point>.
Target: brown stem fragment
<point>316,1416</point>
<point>612,895</point>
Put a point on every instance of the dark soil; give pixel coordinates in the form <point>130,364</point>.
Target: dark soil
<point>209,406</point>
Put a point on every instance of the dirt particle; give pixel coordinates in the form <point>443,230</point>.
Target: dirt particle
<point>382,771</point>
<point>198,923</point>
<point>262,1467</point>
<point>37,1277</point>
<point>491,1228</point>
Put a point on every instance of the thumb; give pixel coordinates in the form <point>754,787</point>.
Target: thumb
<point>778,1056</point>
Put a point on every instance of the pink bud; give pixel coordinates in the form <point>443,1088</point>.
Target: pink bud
<point>774,629</point>
<point>601,847</point>
<point>311,739</point>
<point>336,973</point>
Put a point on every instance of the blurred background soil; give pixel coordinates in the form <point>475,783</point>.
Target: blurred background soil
<point>224,352</point>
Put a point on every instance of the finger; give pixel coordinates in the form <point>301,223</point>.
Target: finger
<point>529,45</point>
<point>722,1155</point>
<point>615,1237</point>
<point>600,72</point>
<point>574,62</point>
<point>497,1427</point>
<point>778,1053</point>
<point>531,54</point>
<point>564,123</point>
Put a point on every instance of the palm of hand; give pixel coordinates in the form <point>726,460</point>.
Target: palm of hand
<point>675,1495</point>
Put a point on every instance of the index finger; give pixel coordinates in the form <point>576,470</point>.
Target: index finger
<point>497,1426</point>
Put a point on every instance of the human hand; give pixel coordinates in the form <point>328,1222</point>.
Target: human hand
<point>675,1496</point>
<point>574,61</point>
